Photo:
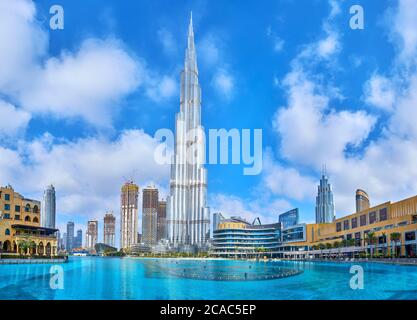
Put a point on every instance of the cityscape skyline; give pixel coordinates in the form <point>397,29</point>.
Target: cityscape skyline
<point>350,159</point>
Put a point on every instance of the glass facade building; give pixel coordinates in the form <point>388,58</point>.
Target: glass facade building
<point>289,218</point>
<point>239,237</point>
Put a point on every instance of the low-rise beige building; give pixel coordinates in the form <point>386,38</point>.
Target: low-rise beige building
<point>20,226</point>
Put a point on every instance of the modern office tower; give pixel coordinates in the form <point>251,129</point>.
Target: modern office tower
<point>70,236</point>
<point>139,238</point>
<point>217,219</point>
<point>48,212</point>
<point>289,218</point>
<point>128,215</point>
<point>162,223</point>
<point>109,234</point>
<point>362,200</point>
<point>324,201</point>
<point>64,241</point>
<point>149,215</point>
<point>79,239</point>
<point>188,214</point>
<point>91,234</point>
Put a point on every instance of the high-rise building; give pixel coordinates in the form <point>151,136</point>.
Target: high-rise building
<point>64,241</point>
<point>109,234</point>
<point>70,236</point>
<point>362,200</point>
<point>91,234</point>
<point>79,239</point>
<point>128,215</point>
<point>48,212</point>
<point>217,219</point>
<point>162,217</point>
<point>289,218</point>
<point>188,213</point>
<point>149,215</point>
<point>324,201</point>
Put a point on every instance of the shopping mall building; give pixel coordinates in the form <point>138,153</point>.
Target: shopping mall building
<point>388,229</point>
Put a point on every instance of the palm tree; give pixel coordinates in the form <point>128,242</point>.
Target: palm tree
<point>370,239</point>
<point>395,237</point>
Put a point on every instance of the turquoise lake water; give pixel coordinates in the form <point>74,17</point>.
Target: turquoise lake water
<point>129,278</point>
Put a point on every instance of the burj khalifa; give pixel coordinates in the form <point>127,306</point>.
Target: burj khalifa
<point>188,216</point>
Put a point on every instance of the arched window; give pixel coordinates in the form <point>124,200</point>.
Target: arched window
<point>27,208</point>
<point>36,220</point>
<point>7,232</point>
<point>35,209</point>
<point>27,218</point>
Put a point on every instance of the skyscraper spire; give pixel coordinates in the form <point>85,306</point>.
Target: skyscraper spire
<point>188,215</point>
<point>325,212</point>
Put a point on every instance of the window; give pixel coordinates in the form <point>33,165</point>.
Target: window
<point>7,232</point>
<point>17,208</point>
<point>7,207</point>
<point>402,223</point>
<point>383,214</point>
<point>348,236</point>
<point>354,223</point>
<point>357,239</point>
<point>6,216</point>
<point>35,209</point>
<point>17,217</point>
<point>27,208</point>
<point>363,220</point>
<point>338,226</point>
<point>35,220</point>
<point>346,225</point>
<point>7,197</point>
<point>372,217</point>
<point>410,236</point>
<point>27,219</point>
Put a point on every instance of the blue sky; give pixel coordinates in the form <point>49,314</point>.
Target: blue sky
<point>87,100</point>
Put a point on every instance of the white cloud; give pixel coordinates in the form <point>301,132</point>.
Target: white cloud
<point>403,26</point>
<point>88,83</point>
<point>209,50</point>
<point>286,182</point>
<point>379,92</point>
<point>22,43</point>
<point>167,41</point>
<point>223,82</point>
<point>13,121</point>
<point>311,132</point>
<point>230,205</point>
<point>160,89</point>
<point>328,46</point>
<point>278,43</point>
<point>87,173</point>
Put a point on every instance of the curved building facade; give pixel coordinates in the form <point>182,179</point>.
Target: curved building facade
<point>236,237</point>
<point>362,200</point>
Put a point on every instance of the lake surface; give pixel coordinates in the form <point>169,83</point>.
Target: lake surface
<point>130,278</point>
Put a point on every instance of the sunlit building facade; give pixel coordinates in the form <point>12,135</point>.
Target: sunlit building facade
<point>128,214</point>
<point>20,223</point>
